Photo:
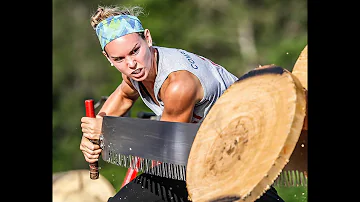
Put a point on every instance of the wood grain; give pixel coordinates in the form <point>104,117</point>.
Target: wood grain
<point>300,70</point>
<point>247,137</point>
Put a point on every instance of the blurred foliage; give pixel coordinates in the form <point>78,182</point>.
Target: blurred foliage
<point>239,35</point>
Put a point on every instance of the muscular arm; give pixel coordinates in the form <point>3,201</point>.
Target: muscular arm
<point>117,104</point>
<point>180,92</point>
<point>120,101</point>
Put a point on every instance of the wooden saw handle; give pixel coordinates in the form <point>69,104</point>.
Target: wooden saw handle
<point>90,112</point>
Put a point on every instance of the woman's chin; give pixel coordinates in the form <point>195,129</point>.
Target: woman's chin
<point>138,79</point>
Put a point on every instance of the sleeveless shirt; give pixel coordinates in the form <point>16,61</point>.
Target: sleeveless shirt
<point>214,79</point>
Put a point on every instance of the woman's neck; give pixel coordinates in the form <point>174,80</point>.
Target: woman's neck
<point>153,70</point>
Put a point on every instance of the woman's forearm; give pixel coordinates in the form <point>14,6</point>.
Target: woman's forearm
<point>117,104</point>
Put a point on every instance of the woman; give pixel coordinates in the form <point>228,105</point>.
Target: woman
<point>175,84</point>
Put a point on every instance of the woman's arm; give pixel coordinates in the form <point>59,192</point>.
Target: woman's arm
<point>180,92</point>
<point>120,101</point>
<point>117,104</point>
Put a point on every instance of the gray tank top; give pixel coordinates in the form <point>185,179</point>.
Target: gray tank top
<point>214,79</point>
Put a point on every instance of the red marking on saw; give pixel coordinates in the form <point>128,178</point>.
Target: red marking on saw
<point>132,173</point>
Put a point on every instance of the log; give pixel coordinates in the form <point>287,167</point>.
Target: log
<point>300,70</point>
<point>299,158</point>
<point>247,138</point>
<point>76,186</point>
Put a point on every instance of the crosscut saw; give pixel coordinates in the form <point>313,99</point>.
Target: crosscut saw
<point>244,142</point>
<point>144,143</point>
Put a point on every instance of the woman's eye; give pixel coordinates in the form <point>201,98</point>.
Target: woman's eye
<point>118,59</point>
<point>136,50</point>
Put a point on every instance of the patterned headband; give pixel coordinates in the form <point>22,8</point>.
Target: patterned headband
<point>116,26</point>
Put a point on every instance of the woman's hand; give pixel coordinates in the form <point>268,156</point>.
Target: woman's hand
<point>91,128</point>
<point>90,150</point>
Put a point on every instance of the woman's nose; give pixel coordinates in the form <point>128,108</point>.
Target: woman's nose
<point>131,62</point>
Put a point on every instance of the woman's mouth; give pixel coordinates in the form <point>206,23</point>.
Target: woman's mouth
<point>138,73</point>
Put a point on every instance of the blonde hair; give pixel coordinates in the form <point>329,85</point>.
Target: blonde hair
<point>104,12</point>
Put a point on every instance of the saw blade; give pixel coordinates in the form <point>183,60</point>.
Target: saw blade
<point>138,143</point>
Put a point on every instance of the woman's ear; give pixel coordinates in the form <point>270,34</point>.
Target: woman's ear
<point>105,54</point>
<point>148,38</point>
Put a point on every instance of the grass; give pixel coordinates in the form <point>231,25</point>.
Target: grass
<point>292,194</point>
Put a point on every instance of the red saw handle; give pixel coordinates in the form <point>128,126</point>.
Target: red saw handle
<point>90,112</point>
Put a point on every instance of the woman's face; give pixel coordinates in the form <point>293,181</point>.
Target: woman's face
<point>131,55</point>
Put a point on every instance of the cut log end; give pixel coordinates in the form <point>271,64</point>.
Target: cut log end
<point>300,71</point>
<point>247,137</point>
<point>299,158</point>
<point>76,186</point>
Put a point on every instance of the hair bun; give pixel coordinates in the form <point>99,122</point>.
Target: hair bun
<point>95,18</point>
